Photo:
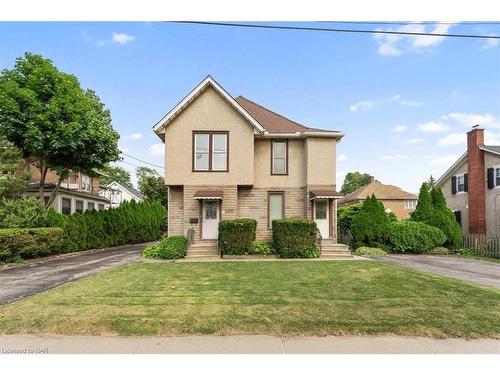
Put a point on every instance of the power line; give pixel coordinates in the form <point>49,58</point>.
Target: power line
<point>274,27</point>
<point>132,164</point>
<point>142,161</point>
<point>415,22</point>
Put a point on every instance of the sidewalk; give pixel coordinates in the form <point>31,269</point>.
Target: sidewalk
<point>58,344</point>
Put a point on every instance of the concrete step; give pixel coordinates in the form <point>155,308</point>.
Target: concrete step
<point>337,256</point>
<point>202,252</point>
<point>188,256</point>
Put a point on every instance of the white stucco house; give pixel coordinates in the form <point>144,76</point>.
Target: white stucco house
<point>117,193</point>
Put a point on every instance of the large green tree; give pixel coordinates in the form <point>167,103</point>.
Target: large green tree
<point>115,173</point>
<point>444,219</point>
<point>54,122</point>
<point>353,181</point>
<point>424,210</point>
<point>152,185</point>
<point>370,225</point>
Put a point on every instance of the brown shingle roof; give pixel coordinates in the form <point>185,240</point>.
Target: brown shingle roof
<point>208,194</point>
<point>271,121</point>
<point>380,190</point>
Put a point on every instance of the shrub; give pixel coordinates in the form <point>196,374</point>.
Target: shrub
<point>364,250</point>
<point>26,243</point>
<point>295,238</point>
<point>440,250</point>
<point>261,248</point>
<point>345,216</point>
<point>172,247</point>
<point>236,236</point>
<point>151,252</point>
<point>414,237</point>
<point>24,212</point>
<point>424,210</point>
<point>370,226</point>
<point>444,219</point>
<point>467,252</point>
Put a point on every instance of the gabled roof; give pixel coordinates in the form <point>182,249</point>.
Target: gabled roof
<point>266,122</point>
<point>380,190</point>
<point>207,82</point>
<point>131,190</point>
<point>491,149</point>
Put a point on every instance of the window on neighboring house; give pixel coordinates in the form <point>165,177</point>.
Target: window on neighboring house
<point>497,176</point>
<point>210,151</point>
<point>276,206</point>
<point>460,183</point>
<point>458,217</point>
<point>410,204</point>
<point>79,207</point>
<point>90,205</point>
<point>46,200</point>
<point>66,206</point>
<point>279,156</point>
<point>100,206</point>
<point>86,183</point>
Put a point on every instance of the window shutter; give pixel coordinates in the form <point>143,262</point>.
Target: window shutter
<point>466,182</point>
<point>458,217</point>
<point>454,185</point>
<point>491,175</point>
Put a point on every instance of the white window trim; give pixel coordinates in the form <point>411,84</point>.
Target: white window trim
<point>456,186</point>
<point>410,204</point>
<point>195,152</point>
<point>495,186</point>
<point>218,153</point>
<point>285,141</point>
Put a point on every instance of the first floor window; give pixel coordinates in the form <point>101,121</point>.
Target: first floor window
<point>90,205</point>
<point>100,206</point>
<point>66,206</point>
<point>276,206</point>
<point>79,207</point>
<point>210,151</point>
<point>410,204</point>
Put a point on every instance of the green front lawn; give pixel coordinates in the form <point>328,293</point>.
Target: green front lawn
<point>280,298</point>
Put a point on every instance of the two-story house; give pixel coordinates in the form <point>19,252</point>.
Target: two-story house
<point>78,193</point>
<point>229,157</point>
<point>472,186</point>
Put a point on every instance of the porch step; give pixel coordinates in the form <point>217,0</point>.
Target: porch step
<point>206,249</point>
<point>330,249</point>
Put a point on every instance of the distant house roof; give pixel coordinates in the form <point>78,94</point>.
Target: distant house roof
<point>131,190</point>
<point>381,191</point>
<point>492,149</point>
<point>265,121</point>
<point>32,187</point>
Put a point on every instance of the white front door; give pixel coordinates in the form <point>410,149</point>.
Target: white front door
<point>210,219</point>
<point>322,217</point>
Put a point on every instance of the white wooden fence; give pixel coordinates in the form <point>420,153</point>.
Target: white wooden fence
<point>484,244</point>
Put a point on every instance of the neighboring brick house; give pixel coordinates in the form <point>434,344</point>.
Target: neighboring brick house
<point>395,200</point>
<point>472,186</point>
<point>230,157</point>
<point>77,193</point>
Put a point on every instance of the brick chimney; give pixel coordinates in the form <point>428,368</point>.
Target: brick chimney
<point>476,181</point>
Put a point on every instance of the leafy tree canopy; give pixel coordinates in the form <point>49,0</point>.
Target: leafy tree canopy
<point>13,174</point>
<point>353,181</point>
<point>53,121</point>
<point>115,173</point>
<point>152,185</point>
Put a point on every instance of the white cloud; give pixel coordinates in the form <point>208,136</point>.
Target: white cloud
<point>342,157</point>
<point>362,106</point>
<point>454,93</point>
<point>394,98</point>
<point>394,157</point>
<point>491,137</point>
<point>491,43</point>
<point>133,136</point>
<point>445,161</point>
<point>400,128</point>
<point>453,139</point>
<point>409,103</point>
<point>432,127</point>
<point>158,149</point>
<point>470,119</point>
<point>122,38</point>
<point>397,44</point>
<point>413,141</point>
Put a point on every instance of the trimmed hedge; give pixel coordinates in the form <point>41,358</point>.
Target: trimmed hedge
<point>363,250</point>
<point>17,243</point>
<point>414,237</point>
<point>129,223</point>
<point>169,248</point>
<point>295,238</point>
<point>236,236</point>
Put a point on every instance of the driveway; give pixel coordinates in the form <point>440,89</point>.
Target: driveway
<point>474,271</point>
<point>24,280</point>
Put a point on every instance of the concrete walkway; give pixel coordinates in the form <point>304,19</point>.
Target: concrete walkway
<point>58,344</point>
<point>19,281</point>
<point>471,270</point>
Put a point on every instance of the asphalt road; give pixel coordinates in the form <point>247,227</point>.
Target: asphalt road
<point>471,270</point>
<point>24,280</point>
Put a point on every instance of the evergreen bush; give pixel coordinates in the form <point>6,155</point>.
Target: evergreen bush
<point>24,243</point>
<point>295,238</point>
<point>412,236</point>
<point>370,225</point>
<point>236,236</point>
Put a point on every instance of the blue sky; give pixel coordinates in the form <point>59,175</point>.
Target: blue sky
<point>404,103</point>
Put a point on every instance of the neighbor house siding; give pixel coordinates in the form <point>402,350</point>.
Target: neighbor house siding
<point>459,201</point>
<point>175,211</point>
<point>492,197</point>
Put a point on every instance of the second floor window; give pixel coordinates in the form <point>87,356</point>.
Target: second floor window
<point>460,183</point>
<point>86,183</point>
<point>410,204</point>
<point>279,156</point>
<point>210,151</point>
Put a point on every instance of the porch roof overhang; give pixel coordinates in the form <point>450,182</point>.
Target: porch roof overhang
<point>324,194</point>
<point>209,194</point>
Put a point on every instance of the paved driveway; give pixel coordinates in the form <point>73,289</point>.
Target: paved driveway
<point>24,280</point>
<point>475,271</point>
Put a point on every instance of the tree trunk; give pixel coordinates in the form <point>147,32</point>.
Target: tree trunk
<point>54,193</point>
<point>41,185</point>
